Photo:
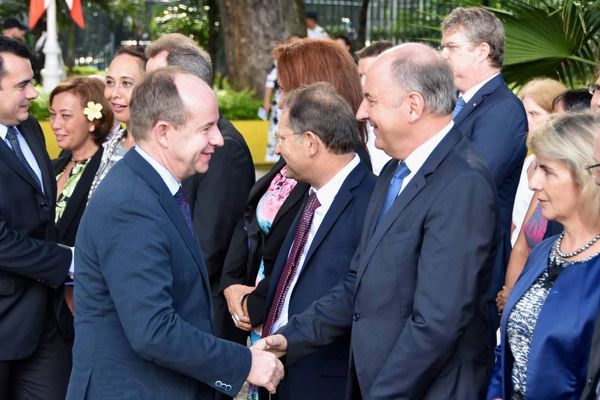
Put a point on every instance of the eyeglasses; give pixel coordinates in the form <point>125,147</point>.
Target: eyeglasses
<point>451,46</point>
<point>593,169</point>
<point>279,139</point>
<point>592,88</point>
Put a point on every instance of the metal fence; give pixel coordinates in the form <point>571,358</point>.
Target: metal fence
<point>394,20</point>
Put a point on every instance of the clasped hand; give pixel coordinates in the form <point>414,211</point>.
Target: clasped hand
<point>266,370</point>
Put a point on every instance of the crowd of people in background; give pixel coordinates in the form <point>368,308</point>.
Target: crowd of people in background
<point>423,233</point>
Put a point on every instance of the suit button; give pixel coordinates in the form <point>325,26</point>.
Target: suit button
<point>218,384</point>
<point>355,316</point>
<point>228,387</point>
<point>44,206</point>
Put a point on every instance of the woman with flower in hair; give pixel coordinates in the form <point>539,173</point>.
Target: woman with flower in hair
<point>81,119</point>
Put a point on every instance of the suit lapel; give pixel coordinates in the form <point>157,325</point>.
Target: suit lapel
<point>38,148</point>
<point>145,170</point>
<point>12,161</point>
<point>481,94</point>
<point>341,201</point>
<point>416,184</point>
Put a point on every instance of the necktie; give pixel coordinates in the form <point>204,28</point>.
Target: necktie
<point>291,264</point>
<point>184,207</point>
<point>395,184</point>
<point>11,135</point>
<point>460,103</point>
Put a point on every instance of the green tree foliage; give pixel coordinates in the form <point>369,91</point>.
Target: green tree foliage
<point>182,17</point>
<point>559,41</point>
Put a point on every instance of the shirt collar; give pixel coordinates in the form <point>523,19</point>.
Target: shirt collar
<point>417,158</point>
<point>326,194</point>
<point>172,183</point>
<point>468,95</point>
<point>3,131</point>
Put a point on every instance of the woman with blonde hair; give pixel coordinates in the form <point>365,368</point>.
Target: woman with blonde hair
<point>529,226</point>
<point>548,320</point>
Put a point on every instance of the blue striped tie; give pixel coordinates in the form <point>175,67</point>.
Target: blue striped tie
<point>11,135</point>
<point>395,185</point>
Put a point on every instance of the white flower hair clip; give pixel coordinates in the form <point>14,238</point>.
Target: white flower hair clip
<point>93,111</point>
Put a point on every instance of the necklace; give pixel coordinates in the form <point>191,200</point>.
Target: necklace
<point>577,251</point>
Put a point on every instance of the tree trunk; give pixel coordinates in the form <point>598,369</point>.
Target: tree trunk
<point>362,24</point>
<point>250,31</point>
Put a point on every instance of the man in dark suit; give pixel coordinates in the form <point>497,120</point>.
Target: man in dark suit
<point>218,197</point>
<point>35,324</point>
<point>414,298</point>
<point>488,114</point>
<point>317,137</point>
<point>143,314</point>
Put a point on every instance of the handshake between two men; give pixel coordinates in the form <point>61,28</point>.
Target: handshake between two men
<point>267,370</point>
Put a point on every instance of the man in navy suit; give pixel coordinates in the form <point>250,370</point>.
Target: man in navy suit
<point>414,298</point>
<point>317,137</point>
<point>35,323</point>
<point>488,114</point>
<point>143,302</point>
<point>218,196</point>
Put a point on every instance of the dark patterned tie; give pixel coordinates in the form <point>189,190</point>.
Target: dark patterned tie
<point>184,207</point>
<point>291,264</point>
<point>11,135</point>
<point>395,184</point>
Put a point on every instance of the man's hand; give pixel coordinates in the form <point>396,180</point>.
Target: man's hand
<point>266,370</point>
<point>276,344</point>
<point>234,294</point>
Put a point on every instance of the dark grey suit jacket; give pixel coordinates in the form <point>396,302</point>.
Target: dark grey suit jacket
<point>32,269</point>
<point>414,298</point>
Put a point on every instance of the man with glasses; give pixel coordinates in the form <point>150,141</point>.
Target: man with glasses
<point>487,113</point>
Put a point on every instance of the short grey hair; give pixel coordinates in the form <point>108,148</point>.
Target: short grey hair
<point>320,109</point>
<point>480,26</point>
<point>430,75</point>
<point>183,53</point>
<point>156,98</point>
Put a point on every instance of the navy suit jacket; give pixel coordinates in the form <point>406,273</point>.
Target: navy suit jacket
<point>323,374</point>
<point>32,269</point>
<point>495,123</point>
<point>414,298</point>
<point>143,327</point>
<point>558,356</point>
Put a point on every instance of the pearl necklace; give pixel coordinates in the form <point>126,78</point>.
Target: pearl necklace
<point>575,252</point>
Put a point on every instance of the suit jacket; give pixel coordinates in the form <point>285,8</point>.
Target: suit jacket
<point>249,243</point>
<point>218,198</point>
<point>143,317</point>
<point>32,269</point>
<point>323,374</point>
<point>66,228</point>
<point>414,298</point>
<point>557,359</point>
<point>593,373</point>
<point>495,123</point>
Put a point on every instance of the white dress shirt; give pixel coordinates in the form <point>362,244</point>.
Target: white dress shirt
<point>326,195</point>
<point>468,95</point>
<point>417,158</point>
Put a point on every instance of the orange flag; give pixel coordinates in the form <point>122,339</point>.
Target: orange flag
<point>76,12</point>
<point>36,10</point>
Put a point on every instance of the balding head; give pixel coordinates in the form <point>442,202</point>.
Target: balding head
<point>177,50</point>
<point>416,67</point>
